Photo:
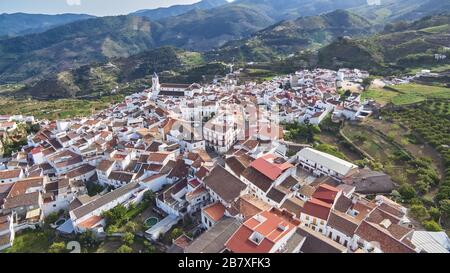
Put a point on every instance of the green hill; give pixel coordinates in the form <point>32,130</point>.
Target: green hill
<point>291,36</point>
<point>126,75</point>
<point>395,10</point>
<point>413,45</point>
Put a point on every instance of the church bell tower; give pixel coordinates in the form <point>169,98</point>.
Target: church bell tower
<point>155,86</point>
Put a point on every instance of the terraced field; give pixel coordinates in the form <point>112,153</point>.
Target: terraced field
<point>406,94</point>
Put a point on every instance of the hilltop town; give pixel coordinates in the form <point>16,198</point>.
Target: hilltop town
<point>207,169</point>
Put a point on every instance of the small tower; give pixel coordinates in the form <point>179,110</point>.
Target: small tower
<point>155,86</point>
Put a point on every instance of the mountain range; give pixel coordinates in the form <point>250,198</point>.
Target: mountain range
<point>398,47</point>
<point>291,36</point>
<point>161,13</point>
<point>18,24</point>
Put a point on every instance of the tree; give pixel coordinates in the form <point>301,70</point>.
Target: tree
<point>51,218</point>
<point>431,225</point>
<point>176,232</point>
<point>57,248</point>
<point>128,238</point>
<point>149,247</point>
<point>435,214</point>
<point>112,229</point>
<point>419,212</point>
<point>149,196</point>
<point>116,216</point>
<point>87,239</point>
<point>407,191</point>
<point>131,226</point>
<point>445,207</point>
<point>124,249</point>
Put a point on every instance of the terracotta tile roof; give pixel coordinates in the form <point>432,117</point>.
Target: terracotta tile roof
<point>248,206</point>
<point>343,223</point>
<point>215,211</point>
<point>157,157</point>
<point>224,184</point>
<point>235,165</point>
<point>272,225</point>
<point>202,172</point>
<point>387,243</point>
<point>28,199</point>
<point>183,241</point>
<point>326,193</point>
<point>276,194</point>
<point>90,222</point>
<point>343,203</point>
<point>317,208</point>
<point>258,179</point>
<point>307,190</point>
<point>270,166</point>
<point>8,174</point>
<point>293,205</point>
<point>316,242</point>
<point>180,170</point>
<point>83,169</point>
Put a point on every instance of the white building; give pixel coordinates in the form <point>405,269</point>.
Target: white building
<point>321,163</point>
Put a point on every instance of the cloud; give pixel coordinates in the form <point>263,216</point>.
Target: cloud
<point>73,2</point>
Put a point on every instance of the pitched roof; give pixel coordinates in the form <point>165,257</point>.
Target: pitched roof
<point>276,194</point>
<point>224,184</point>
<point>100,201</point>
<point>258,179</point>
<point>326,193</point>
<point>248,206</point>
<point>8,174</point>
<point>293,205</point>
<point>387,243</point>
<point>214,239</point>
<point>316,242</point>
<point>215,211</point>
<point>343,223</point>
<point>104,165</point>
<point>180,170</point>
<point>343,203</point>
<point>235,165</point>
<point>331,162</point>
<point>271,166</point>
<point>272,225</point>
<point>317,208</point>
<point>369,182</point>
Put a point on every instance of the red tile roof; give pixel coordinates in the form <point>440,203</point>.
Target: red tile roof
<point>215,211</point>
<point>273,225</point>
<point>326,193</point>
<point>268,166</point>
<point>90,222</point>
<point>317,208</point>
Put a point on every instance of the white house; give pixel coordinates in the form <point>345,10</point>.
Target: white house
<point>323,164</point>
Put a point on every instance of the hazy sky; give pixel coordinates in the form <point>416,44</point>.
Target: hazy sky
<point>94,7</point>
